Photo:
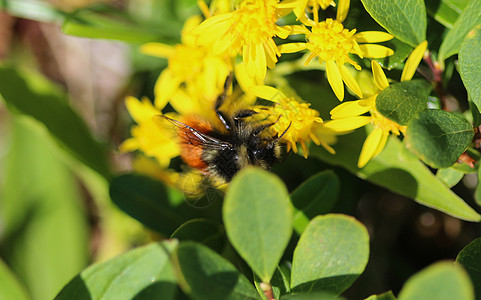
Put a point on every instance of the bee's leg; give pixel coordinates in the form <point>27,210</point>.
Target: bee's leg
<point>242,114</point>
<point>220,100</point>
<point>259,129</point>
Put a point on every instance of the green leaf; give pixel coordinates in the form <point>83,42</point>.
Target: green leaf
<point>153,204</point>
<point>29,93</point>
<point>312,296</point>
<point>470,64</point>
<point>405,19</point>
<point>449,176</point>
<point>477,193</point>
<point>331,253</point>
<point>145,272</point>
<point>45,234</point>
<point>206,275</point>
<point>440,281</point>
<point>401,101</point>
<point>384,296</point>
<point>399,171</point>
<point>258,219</point>
<point>203,231</point>
<point>446,12</point>
<point>470,17</point>
<point>470,259</point>
<point>10,286</point>
<point>315,196</point>
<point>439,137</point>
<point>115,25</point>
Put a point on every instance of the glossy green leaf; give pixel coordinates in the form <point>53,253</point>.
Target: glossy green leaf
<point>477,193</point>
<point>470,17</point>
<point>312,296</point>
<point>142,273</point>
<point>401,101</point>
<point>204,274</point>
<point>399,171</point>
<point>258,219</point>
<point>45,234</point>
<point>330,255</point>
<point>115,25</point>
<point>446,12</point>
<point>439,137</point>
<point>153,204</point>
<point>29,93</point>
<point>203,231</point>
<point>10,286</point>
<point>401,52</point>
<point>440,281</point>
<point>315,196</point>
<point>449,176</point>
<point>405,19</point>
<point>470,259</point>
<point>470,64</point>
<point>384,296</point>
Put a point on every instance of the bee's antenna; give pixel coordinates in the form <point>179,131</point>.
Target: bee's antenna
<point>262,127</point>
<point>285,131</point>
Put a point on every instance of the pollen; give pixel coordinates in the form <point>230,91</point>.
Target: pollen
<point>297,118</point>
<point>255,21</point>
<point>330,41</point>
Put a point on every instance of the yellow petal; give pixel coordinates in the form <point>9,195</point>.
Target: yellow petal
<point>413,61</point>
<point>382,143</point>
<point>342,10</point>
<point>267,92</point>
<point>260,62</point>
<point>140,111</point>
<point>292,47</point>
<point>283,31</point>
<point>372,37</point>
<point>375,51</point>
<point>347,124</point>
<point>165,88</point>
<point>350,81</point>
<point>378,75</point>
<point>371,144</point>
<point>157,49</point>
<point>244,80</point>
<point>349,109</point>
<point>184,104</point>
<point>129,145</point>
<point>204,26</point>
<point>335,79</point>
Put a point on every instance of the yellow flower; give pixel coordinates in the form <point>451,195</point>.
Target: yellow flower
<point>349,115</point>
<point>249,31</point>
<point>302,123</point>
<point>147,136</point>
<point>193,71</point>
<point>331,43</point>
<point>300,6</point>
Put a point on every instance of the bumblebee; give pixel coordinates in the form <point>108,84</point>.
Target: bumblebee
<point>221,153</point>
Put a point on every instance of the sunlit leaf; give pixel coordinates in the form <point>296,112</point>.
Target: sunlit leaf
<point>258,219</point>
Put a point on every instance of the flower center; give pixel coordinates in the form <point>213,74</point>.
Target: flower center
<point>329,40</point>
<point>299,116</point>
<point>255,20</point>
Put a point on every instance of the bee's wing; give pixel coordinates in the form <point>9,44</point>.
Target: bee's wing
<point>192,136</point>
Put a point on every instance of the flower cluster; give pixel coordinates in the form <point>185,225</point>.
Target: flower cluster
<point>247,41</point>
